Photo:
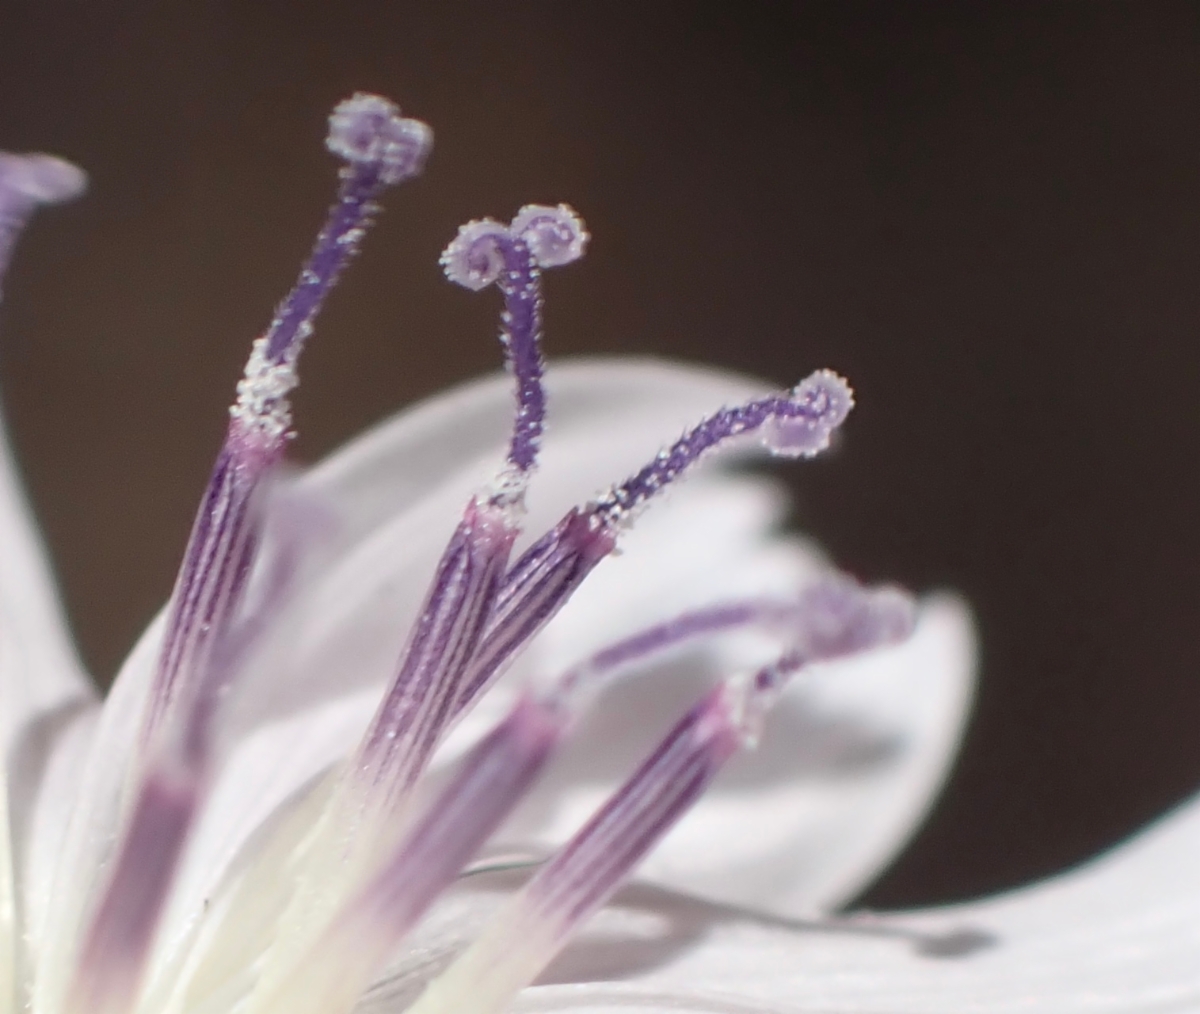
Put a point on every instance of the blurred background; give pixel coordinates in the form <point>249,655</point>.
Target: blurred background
<point>987,216</point>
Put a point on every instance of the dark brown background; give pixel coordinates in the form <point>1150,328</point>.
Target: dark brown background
<point>985,215</point>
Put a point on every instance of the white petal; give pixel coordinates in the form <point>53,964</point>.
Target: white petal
<point>39,669</point>
<point>42,683</point>
<point>48,813</point>
<point>1118,936</point>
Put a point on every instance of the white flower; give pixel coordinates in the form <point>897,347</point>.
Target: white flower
<point>270,813</point>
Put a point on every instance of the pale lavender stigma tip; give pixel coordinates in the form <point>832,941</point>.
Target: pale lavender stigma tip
<point>27,181</point>
<point>511,257</point>
<point>368,129</point>
<point>799,423</point>
<point>38,179</point>
<point>555,236</point>
<point>828,400</point>
<point>474,259</point>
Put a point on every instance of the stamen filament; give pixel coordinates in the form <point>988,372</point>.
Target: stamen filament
<point>534,589</point>
<point>486,252</point>
<point>547,574</point>
<point>491,781</point>
<point>533,927</point>
<point>421,699</point>
<point>799,423</point>
<point>367,807</point>
<point>199,646</point>
<point>340,964</point>
<point>379,149</point>
<point>334,968</point>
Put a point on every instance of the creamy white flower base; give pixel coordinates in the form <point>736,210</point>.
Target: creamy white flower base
<point>849,764</point>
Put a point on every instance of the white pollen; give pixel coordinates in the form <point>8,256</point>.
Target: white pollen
<point>262,405</point>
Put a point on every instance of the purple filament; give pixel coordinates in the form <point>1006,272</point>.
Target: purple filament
<point>520,283</point>
<point>591,674</point>
<point>336,245</point>
<point>119,937</point>
<point>498,772</point>
<point>495,775</point>
<point>833,618</point>
<point>818,406</point>
<point>423,696</point>
<point>211,580</point>
<point>534,589</point>
<point>586,871</point>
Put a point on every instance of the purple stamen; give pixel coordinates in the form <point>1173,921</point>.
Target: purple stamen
<point>118,941</point>
<point>828,619</point>
<point>202,646</point>
<point>485,253</point>
<point>439,666</point>
<point>834,618</point>
<point>380,149</point>
<point>426,689</point>
<point>27,181</point>
<point>797,424</point>
<point>534,589</point>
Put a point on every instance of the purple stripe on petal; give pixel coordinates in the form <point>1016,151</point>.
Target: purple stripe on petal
<point>117,942</point>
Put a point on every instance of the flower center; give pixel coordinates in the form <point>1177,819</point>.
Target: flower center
<point>341,884</point>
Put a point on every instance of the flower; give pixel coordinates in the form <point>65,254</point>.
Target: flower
<point>270,812</point>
